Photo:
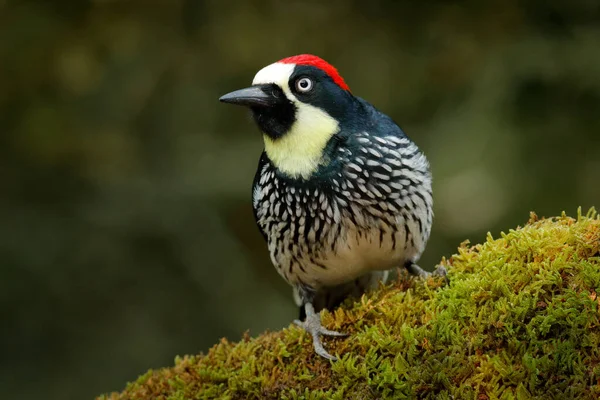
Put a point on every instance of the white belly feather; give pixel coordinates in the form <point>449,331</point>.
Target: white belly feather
<point>354,252</point>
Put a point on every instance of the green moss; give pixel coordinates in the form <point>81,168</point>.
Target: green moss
<point>519,320</point>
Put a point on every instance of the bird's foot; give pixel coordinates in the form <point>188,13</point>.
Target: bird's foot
<point>439,270</point>
<point>415,270</point>
<point>312,324</point>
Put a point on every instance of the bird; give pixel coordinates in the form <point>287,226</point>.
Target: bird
<point>341,194</point>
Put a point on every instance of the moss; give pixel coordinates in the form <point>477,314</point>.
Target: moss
<point>519,320</point>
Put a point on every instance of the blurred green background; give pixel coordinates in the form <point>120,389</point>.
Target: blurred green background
<point>126,232</point>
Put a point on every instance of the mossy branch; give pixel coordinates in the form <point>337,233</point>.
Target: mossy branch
<point>520,319</point>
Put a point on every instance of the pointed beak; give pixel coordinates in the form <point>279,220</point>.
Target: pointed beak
<point>254,96</point>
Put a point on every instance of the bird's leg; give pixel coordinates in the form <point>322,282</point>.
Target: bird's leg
<point>414,269</point>
<point>312,324</point>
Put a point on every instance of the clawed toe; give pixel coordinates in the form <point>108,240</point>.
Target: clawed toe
<point>318,329</point>
<point>441,271</point>
<point>312,325</point>
<point>415,270</point>
<point>327,332</point>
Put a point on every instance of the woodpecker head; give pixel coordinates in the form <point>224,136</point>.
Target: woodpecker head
<point>300,103</point>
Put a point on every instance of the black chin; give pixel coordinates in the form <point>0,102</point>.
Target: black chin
<point>277,120</point>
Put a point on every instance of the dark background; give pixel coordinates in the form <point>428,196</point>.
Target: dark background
<point>126,234</point>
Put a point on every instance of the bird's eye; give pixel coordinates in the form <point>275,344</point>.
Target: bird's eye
<point>304,85</point>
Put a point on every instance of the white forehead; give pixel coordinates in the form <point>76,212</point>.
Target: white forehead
<point>277,73</point>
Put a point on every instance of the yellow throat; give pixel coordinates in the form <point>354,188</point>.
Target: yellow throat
<point>299,152</point>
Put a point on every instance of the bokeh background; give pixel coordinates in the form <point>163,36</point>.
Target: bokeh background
<point>126,233</point>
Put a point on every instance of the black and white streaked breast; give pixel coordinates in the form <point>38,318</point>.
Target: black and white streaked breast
<point>373,213</point>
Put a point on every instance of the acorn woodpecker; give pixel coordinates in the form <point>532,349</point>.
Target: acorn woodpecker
<point>341,194</point>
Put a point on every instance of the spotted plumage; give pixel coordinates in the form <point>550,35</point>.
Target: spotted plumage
<point>373,213</point>
<point>341,194</point>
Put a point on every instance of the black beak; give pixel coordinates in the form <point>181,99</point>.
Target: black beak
<point>259,95</point>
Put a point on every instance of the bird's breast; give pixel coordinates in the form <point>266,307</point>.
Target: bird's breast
<point>373,214</point>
